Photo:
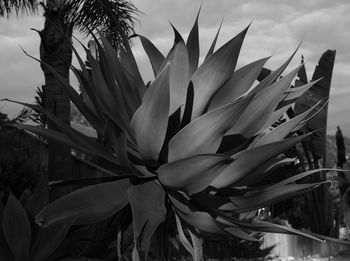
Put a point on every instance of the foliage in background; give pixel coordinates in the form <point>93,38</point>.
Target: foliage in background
<point>194,143</point>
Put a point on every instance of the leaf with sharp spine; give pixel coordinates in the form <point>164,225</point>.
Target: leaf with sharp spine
<point>240,82</point>
<point>296,92</point>
<point>275,75</point>
<point>281,131</point>
<point>262,106</point>
<point>192,174</point>
<point>192,45</point>
<point>214,72</point>
<point>204,134</point>
<point>275,116</point>
<point>90,204</point>
<point>150,121</point>
<point>155,56</point>
<point>212,46</point>
<point>243,164</point>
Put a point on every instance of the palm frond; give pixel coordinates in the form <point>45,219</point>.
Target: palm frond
<point>25,6</point>
<point>114,18</point>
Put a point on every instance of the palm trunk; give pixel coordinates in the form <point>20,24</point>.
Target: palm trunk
<point>56,51</point>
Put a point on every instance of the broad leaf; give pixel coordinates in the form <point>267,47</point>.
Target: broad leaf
<point>243,163</point>
<point>40,198</point>
<point>183,239</point>
<point>90,204</point>
<point>204,134</point>
<point>179,70</point>
<point>50,237</point>
<point>192,174</point>
<point>149,122</point>
<point>148,210</point>
<point>240,82</point>
<point>16,228</point>
<point>214,72</point>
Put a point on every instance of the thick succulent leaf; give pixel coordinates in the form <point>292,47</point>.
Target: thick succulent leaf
<point>192,45</point>
<point>212,46</point>
<point>40,198</point>
<point>148,210</point>
<point>186,118</point>
<point>243,163</point>
<point>262,106</point>
<point>155,56</point>
<point>50,237</point>
<point>240,82</point>
<point>281,131</point>
<point>179,70</point>
<point>200,220</point>
<point>270,196</point>
<point>150,121</point>
<point>183,239</point>
<point>275,116</point>
<point>16,228</point>
<point>274,75</point>
<point>192,174</point>
<point>91,204</point>
<point>205,133</point>
<point>214,72</point>
<point>296,92</point>
<point>263,171</point>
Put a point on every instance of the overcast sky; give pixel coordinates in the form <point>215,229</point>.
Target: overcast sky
<point>278,27</point>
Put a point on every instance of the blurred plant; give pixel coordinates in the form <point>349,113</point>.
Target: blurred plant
<point>38,117</point>
<point>20,236</point>
<point>194,142</point>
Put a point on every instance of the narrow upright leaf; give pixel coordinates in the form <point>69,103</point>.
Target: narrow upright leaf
<point>155,56</point>
<point>192,45</point>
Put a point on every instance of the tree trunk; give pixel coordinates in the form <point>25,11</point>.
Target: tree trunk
<point>55,50</point>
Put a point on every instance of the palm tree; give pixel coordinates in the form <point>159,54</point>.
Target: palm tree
<point>114,18</point>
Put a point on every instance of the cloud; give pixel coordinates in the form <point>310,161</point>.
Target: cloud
<point>276,30</point>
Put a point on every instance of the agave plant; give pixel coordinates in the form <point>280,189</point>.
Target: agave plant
<point>195,141</point>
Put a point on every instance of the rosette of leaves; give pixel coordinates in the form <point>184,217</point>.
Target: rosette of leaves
<point>196,139</point>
